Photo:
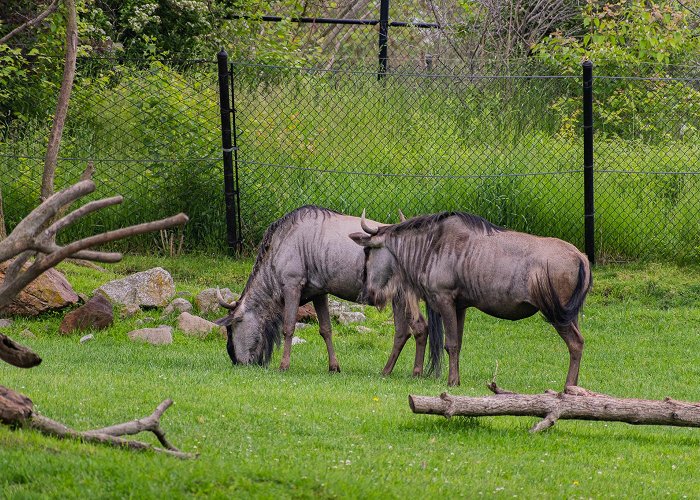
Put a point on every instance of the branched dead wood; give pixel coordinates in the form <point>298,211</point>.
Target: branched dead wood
<point>35,237</point>
<point>575,403</point>
<point>32,22</point>
<point>16,354</point>
<point>16,410</point>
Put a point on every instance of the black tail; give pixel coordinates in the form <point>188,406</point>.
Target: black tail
<point>437,341</point>
<point>550,305</point>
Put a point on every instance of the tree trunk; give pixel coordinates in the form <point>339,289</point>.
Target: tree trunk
<point>51,159</point>
<point>3,227</point>
<point>575,403</point>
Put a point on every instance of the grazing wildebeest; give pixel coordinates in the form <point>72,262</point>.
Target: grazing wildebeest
<point>455,260</point>
<point>304,256</point>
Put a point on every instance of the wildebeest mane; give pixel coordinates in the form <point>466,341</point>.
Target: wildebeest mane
<point>283,224</point>
<point>426,221</point>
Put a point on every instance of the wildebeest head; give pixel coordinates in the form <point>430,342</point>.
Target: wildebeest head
<point>251,334</point>
<point>381,277</point>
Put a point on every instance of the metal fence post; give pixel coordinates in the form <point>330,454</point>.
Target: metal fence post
<point>588,199</point>
<point>383,37</point>
<point>227,147</point>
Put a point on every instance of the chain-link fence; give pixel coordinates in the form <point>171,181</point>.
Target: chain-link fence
<point>151,130</point>
<point>507,147</point>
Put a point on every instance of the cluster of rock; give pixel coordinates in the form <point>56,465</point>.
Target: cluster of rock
<point>150,289</point>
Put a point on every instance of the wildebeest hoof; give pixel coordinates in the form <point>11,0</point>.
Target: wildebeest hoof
<point>284,368</point>
<point>334,369</point>
<point>417,373</point>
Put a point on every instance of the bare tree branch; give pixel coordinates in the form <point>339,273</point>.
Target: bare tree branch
<point>51,159</point>
<point>32,22</point>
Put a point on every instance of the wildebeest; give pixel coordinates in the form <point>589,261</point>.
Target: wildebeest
<point>304,256</point>
<point>456,260</point>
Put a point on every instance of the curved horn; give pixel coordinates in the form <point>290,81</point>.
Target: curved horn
<point>223,303</point>
<point>365,227</point>
<point>402,217</point>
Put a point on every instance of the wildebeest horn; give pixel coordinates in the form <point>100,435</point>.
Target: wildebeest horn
<point>402,217</point>
<point>222,302</point>
<point>365,227</point>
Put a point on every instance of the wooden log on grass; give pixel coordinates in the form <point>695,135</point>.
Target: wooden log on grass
<point>574,403</point>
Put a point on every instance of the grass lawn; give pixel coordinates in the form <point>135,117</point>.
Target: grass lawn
<point>307,433</point>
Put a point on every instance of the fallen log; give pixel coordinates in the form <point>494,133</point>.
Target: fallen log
<point>574,403</point>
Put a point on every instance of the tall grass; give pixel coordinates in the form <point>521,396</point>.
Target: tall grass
<point>509,149</point>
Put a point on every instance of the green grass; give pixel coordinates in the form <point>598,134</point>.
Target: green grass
<point>306,433</point>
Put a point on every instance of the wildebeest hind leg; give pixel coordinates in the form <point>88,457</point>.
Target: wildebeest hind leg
<point>401,334</point>
<point>453,339</point>
<point>324,326</point>
<point>292,295</point>
<point>574,342</point>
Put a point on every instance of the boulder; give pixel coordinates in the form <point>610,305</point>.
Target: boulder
<point>86,338</point>
<point>48,292</point>
<point>306,313</point>
<point>27,334</point>
<point>301,326</point>
<point>196,326</point>
<point>207,302</point>
<point>96,314</point>
<point>348,317</point>
<point>152,288</point>
<point>298,340</point>
<point>4,323</point>
<point>179,305</point>
<point>336,308</point>
<point>129,310</point>
<point>155,336</point>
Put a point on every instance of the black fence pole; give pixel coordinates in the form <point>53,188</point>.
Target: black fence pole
<point>229,187</point>
<point>588,200</point>
<point>383,37</point>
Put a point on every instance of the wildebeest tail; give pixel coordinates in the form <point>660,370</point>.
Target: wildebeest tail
<point>551,306</point>
<point>436,339</point>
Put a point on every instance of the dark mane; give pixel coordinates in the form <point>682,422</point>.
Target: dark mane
<point>423,221</point>
<point>281,224</point>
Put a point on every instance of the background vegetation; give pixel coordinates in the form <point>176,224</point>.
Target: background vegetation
<point>149,119</point>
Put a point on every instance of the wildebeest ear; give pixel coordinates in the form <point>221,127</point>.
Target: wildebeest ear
<point>366,240</point>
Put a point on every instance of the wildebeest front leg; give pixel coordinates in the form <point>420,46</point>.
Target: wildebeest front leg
<point>574,342</point>
<point>453,338</point>
<point>324,324</point>
<point>292,295</point>
<point>401,334</point>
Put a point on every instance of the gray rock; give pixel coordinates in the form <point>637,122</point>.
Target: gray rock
<point>179,305</point>
<point>143,321</point>
<point>153,288</point>
<point>155,336</point>
<point>196,326</point>
<point>129,310</point>
<point>298,340</point>
<point>27,334</point>
<point>351,317</point>
<point>86,338</point>
<point>363,329</point>
<point>207,302</point>
<point>4,323</point>
<point>336,309</point>
<point>301,326</point>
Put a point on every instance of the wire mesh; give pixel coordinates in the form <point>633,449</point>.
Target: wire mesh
<point>151,132</point>
<point>647,154</point>
<point>420,143</point>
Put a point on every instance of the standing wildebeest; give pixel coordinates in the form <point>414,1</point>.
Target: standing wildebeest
<point>455,260</point>
<point>303,257</point>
